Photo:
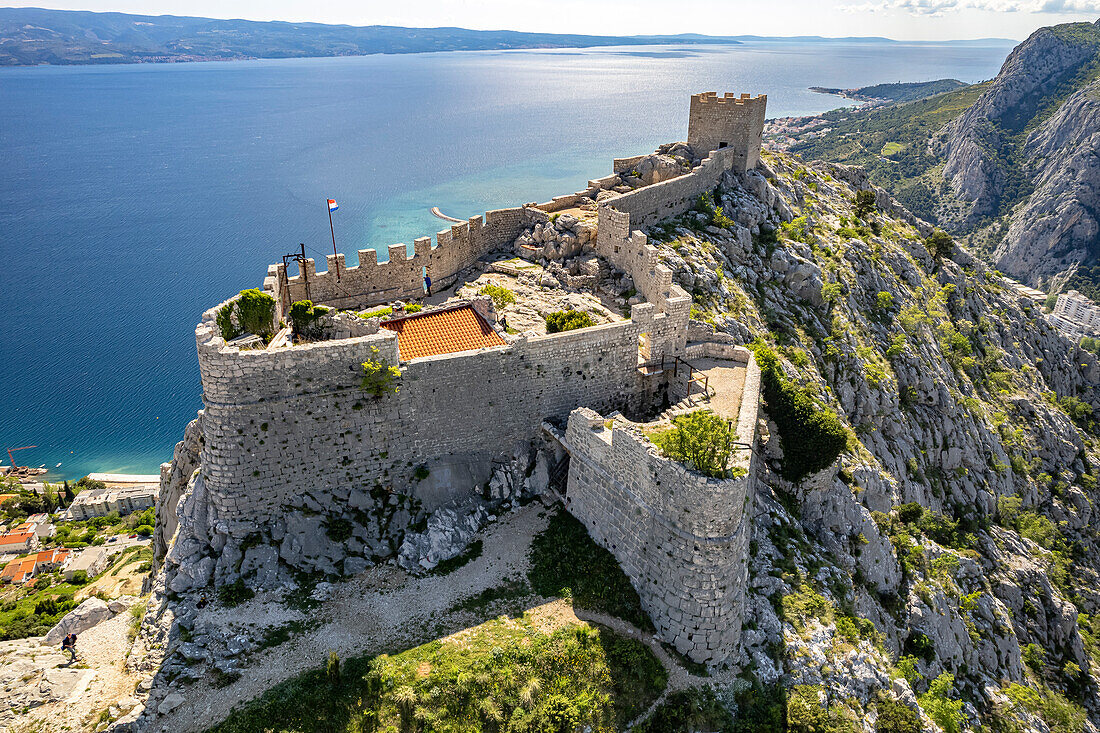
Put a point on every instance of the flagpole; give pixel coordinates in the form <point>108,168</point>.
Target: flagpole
<point>335,257</point>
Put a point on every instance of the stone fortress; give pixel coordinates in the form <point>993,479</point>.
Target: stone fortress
<point>291,464</point>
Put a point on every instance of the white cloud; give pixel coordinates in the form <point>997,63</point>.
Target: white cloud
<point>940,7</point>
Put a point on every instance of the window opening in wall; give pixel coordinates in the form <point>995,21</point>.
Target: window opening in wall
<point>722,145</point>
<point>645,347</point>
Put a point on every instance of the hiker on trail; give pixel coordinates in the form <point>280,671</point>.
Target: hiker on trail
<point>202,602</point>
<point>428,283</point>
<point>68,644</point>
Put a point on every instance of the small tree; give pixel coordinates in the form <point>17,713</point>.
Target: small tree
<point>379,378</point>
<point>865,204</point>
<point>256,312</point>
<point>700,439</point>
<point>939,244</point>
<point>253,312</point>
<point>304,317</point>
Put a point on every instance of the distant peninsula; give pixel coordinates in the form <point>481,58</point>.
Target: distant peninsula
<point>36,36</point>
<point>33,36</point>
<point>894,93</point>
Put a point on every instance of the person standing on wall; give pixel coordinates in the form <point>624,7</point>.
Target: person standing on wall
<point>427,283</point>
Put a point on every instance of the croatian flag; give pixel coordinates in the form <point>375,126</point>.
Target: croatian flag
<point>332,205</point>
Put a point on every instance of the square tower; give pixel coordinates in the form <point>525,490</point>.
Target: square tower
<point>728,122</point>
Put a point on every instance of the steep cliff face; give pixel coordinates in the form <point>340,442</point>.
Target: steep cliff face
<point>1059,223</point>
<point>1026,151</point>
<point>972,142</point>
<point>955,536</point>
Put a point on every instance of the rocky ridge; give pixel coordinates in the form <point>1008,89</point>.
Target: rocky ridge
<point>955,392</point>
<point>1031,142</point>
<point>952,542</point>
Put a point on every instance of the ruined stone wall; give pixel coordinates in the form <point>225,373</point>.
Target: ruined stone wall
<point>649,205</point>
<point>401,276</point>
<point>680,537</point>
<point>728,123</point>
<point>294,420</point>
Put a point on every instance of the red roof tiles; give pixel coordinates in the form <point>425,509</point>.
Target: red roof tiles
<point>445,331</point>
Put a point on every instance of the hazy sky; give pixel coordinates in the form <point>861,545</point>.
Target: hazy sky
<point>903,19</point>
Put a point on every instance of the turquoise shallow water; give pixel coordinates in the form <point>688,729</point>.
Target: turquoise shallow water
<point>134,197</point>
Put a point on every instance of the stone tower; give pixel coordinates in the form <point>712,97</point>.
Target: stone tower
<point>728,122</point>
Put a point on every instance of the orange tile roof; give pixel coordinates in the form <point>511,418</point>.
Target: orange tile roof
<point>51,556</point>
<point>14,538</point>
<point>19,570</point>
<point>443,331</point>
<point>5,497</point>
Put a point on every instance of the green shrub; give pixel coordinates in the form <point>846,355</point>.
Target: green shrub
<point>501,295</point>
<point>252,312</point>
<point>920,646</point>
<point>379,378</point>
<point>144,530</point>
<point>565,561</point>
<point>256,312</point>
<point>508,674</point>
<point>865,204</point>
<point>811,435</point>
<point>702,440</point>
<point>940,706</point>
<point>414,308</point>
<point>687,711</point>
<point>940,244</point>
<point>1034,657</point>
<point>910,513</point>
<point>895,717</point>
<point>1060,715</point>
<point>304,317</point>
<point>805,713</point>
<point>235,593</point>
<point>567,321</point>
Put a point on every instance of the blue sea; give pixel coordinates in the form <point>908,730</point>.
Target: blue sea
<point>134,197</point>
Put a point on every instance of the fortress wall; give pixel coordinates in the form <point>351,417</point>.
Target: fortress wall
<point>680,537</point>
<point>625,165</point>
<point>281,424</point>
<point>400,277</point>
<point>651,204</point>
<point>736,122</point>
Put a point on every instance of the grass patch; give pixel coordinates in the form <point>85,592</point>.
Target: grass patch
<point>565,562</point>
<point>505,675</point>
<point>687,711</point>
<point>509,590</point>
<point>377,312</point>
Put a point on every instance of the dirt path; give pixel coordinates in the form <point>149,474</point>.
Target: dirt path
<point>102,649</point>
<point>381,610</point>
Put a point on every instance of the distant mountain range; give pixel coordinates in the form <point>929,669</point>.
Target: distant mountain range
<point>31,36</point>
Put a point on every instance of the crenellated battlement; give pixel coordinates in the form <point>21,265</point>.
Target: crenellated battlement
<point>737,123</point>
<point>401,275</point>
<point>728,98</point>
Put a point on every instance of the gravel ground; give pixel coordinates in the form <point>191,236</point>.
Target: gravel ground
<point>384,609</point>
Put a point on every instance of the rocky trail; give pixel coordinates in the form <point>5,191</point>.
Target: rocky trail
<point>381,610</point>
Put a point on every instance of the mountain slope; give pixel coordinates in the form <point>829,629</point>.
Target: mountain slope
<point>950,559</point>
<point>1009,164</point>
